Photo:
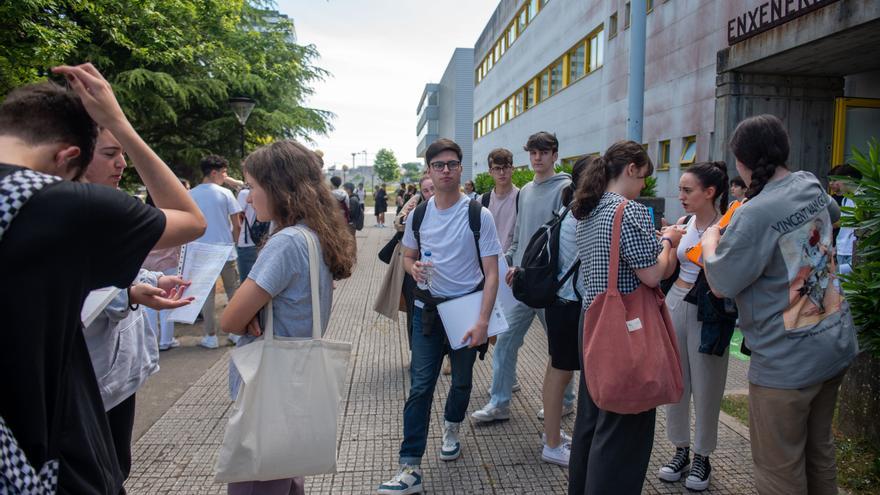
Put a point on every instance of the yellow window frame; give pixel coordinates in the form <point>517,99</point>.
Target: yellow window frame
<point>686,142</point>
<point>838,140</point>
<point>664,149</point>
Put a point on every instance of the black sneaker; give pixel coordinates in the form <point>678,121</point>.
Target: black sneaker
<point>698,478</point>
<point>677,466</point>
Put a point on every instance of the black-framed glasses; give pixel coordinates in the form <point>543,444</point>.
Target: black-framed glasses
<point>452,165</point>
<point>505,168</point>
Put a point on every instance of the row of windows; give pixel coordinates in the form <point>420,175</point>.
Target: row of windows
<point>582,59</point>
<point>688,153</point>
<point>627,17</point>
<point>514,30</point>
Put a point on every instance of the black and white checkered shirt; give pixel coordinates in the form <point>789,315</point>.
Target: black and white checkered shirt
<point>639,246</point>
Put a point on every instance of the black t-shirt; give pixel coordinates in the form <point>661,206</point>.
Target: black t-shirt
<point>66,241</point>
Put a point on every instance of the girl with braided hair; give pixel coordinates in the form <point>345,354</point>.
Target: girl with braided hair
<point>776,259</point>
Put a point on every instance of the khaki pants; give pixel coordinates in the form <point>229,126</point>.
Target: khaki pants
<point>229,275</point>
<point>792,443</point>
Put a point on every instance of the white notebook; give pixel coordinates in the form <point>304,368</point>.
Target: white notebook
<point>459,315</point>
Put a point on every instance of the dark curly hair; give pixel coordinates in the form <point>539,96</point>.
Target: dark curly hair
<point>604,169</point>
<point>761,144</point>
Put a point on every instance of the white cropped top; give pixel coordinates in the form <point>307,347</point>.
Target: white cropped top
<point>688,270</point>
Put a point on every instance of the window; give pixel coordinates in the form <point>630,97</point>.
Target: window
<point>627,13</point>
<point>545,85</point>
<point>523,20</point>
<point>502,113</point>
<point>688,150</point>
<point>519,101</point>
<point>533,9</point>
<point>556,77</point>
<point>576,64</point>
<point>597,51</point>
<point>497,51</point>
<point>531,94</point>
<point>612,26</point>
<point>649,5</point>
<point>663,155</point>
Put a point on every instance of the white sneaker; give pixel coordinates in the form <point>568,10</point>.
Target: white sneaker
<point>565,437</point>
<point>490,413</point>
<point>566,410</point>
<point>233,338</point>
<point>558,456</point>
<point>406,482</point>
<point>171,345</point>
<point>451,448</point>
<point>209,342</point>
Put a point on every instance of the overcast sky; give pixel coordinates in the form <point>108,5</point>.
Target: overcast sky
<point>380,54</point>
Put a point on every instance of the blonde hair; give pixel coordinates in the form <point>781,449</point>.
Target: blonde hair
<point>291,176</point>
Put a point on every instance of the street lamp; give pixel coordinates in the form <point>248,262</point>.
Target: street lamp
<point>242,107</point>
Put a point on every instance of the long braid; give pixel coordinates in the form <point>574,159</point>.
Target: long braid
<point>761,145</point>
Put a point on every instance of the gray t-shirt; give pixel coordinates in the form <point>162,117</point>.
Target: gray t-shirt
<point>282,270</point>
<point>776,259</point>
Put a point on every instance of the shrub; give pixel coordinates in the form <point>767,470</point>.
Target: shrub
<point>650,189</point>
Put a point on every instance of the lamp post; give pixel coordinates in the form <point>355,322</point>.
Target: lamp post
<point>242,107</point>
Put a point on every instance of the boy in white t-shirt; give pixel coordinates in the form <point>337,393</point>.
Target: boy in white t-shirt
<point>221,210</point>
<point>457,269</point>
<point>846,236</point>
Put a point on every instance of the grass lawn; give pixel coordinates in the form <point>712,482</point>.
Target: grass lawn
<point>858,462</point>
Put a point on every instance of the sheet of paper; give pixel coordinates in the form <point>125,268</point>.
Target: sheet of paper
<point>95,302</point>
<point>505,297</point>
<point>459,315</point>
<point>201,264</point>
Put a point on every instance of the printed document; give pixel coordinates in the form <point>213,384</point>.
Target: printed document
<point>505,294</point>
<point>459,315</point>
<point>200,263</point>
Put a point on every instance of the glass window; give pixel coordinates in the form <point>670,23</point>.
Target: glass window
<point>511,107</point>
<point>523,20</point>
<point>597,51</point>
<point>689,150</point>
<point>533,9</point>
<point>520,100</point>
<point>576,62</point>
<point>497,50</point>
<point>663,154</point>
<point>650,5</point>
<point>545,85</point>
<point>531,95</point>
<point>511,35</point>
<point>612,25</point>
<point>556,77</point>
<point>627,13</point>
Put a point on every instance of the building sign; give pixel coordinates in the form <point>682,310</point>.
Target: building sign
<point>768,15</point>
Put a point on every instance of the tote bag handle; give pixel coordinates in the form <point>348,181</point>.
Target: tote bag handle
<point>269,331</point>
<point>614,263</point>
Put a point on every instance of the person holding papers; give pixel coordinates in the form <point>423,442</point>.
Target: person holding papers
<point>461,263</point>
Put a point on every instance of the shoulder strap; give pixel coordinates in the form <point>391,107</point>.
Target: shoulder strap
<point>417,216</point>
<point>614,262</point>
<point>475,209</point>
<point>485,198</point>
<point>313,283</point>
<point>16,189</point>
<point>517,202</point>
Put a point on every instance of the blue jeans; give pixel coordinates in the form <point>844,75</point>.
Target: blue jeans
<point>247,256</point>
<point>519,319</point>
<point>424,368</point>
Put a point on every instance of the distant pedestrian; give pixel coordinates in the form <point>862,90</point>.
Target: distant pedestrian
<point>845,237</point>
<point>380,197</point>
<point>470,191</point>
<point>737,189</point>
<point>775,259</point>
<point>399,197</point>
<point>286,190</point>
<point>252,232</point>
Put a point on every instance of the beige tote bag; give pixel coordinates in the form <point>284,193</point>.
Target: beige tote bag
<point>283,422</point>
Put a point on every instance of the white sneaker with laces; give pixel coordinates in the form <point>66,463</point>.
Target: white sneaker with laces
<point>451,448</point>
<point>490,413</point>
<point>558,455</point>
<point>209,342</point>
<point>407,481</point>
<point>170,345</point>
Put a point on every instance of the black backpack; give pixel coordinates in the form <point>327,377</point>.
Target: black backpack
<point>357,212</point>
<point>474,210</point>
<point>534,283</point>
<point>256,231</point>
<point>484,200</point>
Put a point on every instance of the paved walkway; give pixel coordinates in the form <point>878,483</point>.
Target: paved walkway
<point>177,454</point>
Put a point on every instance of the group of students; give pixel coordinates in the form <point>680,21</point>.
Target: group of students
<point>66,230</point>
<point>770,261</point>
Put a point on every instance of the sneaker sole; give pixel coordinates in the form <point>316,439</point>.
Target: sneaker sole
<point>491,420</point>
<point>696,486</point>
<point>450,457</point>
<point>669,477</point>
<point>554,461</point>
<point>409,491</point>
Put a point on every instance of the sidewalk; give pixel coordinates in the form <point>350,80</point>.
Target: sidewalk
<point>177,454</point>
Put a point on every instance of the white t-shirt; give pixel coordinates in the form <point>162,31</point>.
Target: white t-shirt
<point>244,237</point>
<point>688,271</point>
<point>447,234</point>
<point>846,238</point>
<point>217,205</point>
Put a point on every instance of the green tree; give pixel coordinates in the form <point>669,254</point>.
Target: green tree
<point>412,171</point>
<point>173,65</point>
<point>385,166</point>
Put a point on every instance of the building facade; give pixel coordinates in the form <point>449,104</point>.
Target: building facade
<point>562,66</point>
<point>446,109</point>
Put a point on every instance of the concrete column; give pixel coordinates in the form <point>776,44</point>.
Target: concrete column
<point>636,86</point>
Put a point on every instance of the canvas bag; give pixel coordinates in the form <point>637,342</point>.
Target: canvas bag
<point>283,422</point>
<point>388,296</point>
<point>631,360</point>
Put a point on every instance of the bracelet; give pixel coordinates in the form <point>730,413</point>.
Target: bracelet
<point>133,307</point>
<point>666,239</point>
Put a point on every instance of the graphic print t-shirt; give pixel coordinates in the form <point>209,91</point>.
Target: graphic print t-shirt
<point>67,240</point>
<point>777,260</point>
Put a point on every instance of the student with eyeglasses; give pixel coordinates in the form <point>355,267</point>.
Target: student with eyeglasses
<point>501,200</point>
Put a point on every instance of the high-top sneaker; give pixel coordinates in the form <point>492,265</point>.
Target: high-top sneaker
<point>701,472</point>
<point>673,470</point>
<point>451,448</point>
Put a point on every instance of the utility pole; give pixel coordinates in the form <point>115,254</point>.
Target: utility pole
<point>636,88</point>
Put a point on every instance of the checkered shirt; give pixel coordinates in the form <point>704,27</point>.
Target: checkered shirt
<point>639,246</point>
<point>15,189</point>
<point>17,476</point>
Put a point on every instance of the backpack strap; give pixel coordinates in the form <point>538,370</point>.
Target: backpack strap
<point>417,216</point>
<point>517,202</point>
<point>16,189</point>
<point>484,199</point>
<point>475,209</point>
